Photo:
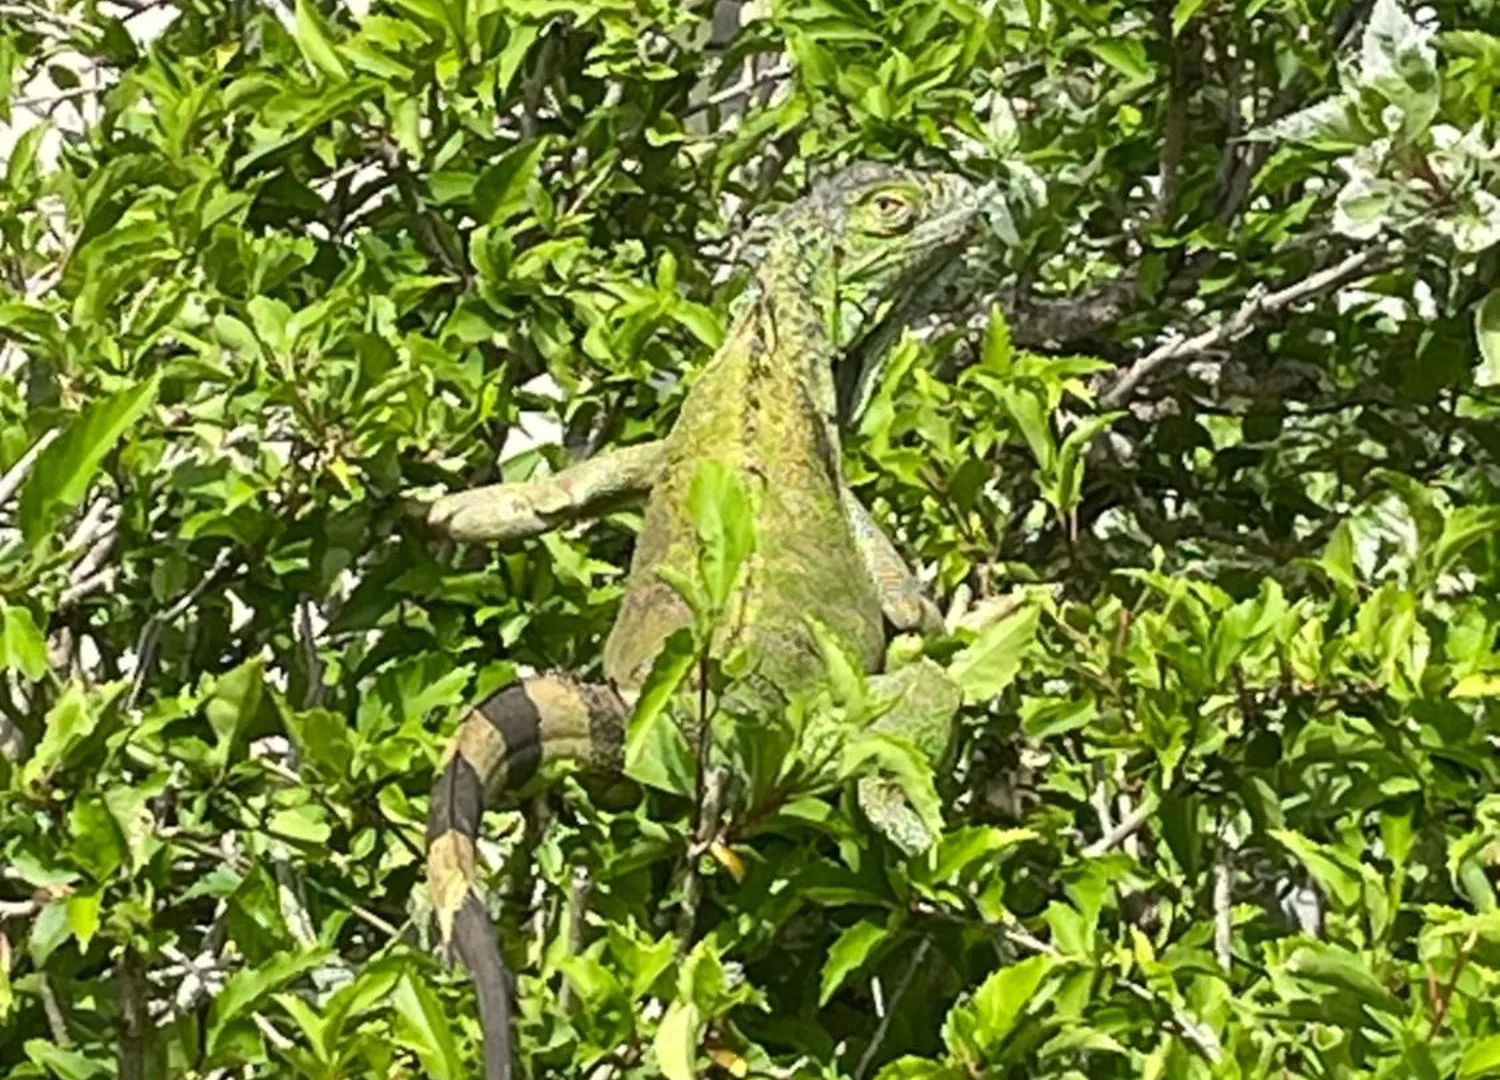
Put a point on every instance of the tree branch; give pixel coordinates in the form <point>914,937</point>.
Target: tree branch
<point>1361,264</point>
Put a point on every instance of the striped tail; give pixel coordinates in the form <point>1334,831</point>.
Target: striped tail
<point>500,747</point>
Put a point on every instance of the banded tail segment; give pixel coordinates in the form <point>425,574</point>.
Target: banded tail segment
<point>500,747</point>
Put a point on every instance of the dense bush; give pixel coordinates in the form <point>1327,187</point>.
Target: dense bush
<point>1210,413</point>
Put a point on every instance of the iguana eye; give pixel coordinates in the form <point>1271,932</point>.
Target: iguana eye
<point>889,211</point>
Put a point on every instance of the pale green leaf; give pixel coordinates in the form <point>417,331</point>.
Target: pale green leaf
<point>425,1026</point>
<point>1481,1058</point>
<point>65,469</point>
<point>848,954</point>
<point>315,40</point>
<point>676,1041</point>
<point>991,662</point>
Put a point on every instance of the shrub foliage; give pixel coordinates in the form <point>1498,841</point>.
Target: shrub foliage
<point>1200,454</point>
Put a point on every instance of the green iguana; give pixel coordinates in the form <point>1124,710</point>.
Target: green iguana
<point>836,263</point>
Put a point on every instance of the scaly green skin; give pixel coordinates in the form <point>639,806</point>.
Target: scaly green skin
<point>764,408</point>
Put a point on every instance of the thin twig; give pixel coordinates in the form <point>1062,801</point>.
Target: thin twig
<point>428,227</point>
<point>1124,828</point>
<point>891,1006</point>
<point>1361,264</point>
<point>51,101</point>
<point>57,1024</point>
<point>145,650</point>
<point>744,86</point>
<point>1440,1008</point>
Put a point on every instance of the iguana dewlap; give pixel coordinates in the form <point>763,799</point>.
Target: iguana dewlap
<point>836,263</point>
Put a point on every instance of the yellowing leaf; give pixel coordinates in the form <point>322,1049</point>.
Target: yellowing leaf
<point>726,857</point>
<point>1484,684</point>
<point>730,1062</point>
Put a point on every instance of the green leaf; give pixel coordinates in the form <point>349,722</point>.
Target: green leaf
<point>724,515</point>
<point>699,321</point>
<point>83,915</point>
<point>917,1068</point>
<point>1327,868</point>
<point>425,1025</point>
<point>23,649</point>
<point>315,40</point>
<point>96,845</point>
<point>907,768</point>
<point>848,954</point>
<point>676,1041</point>
<point>247,988</point>
<point>1027,409</point>
<point>999,1001</point>
<point>1462,528</point>
<point>656,752</point>
<point>1341,969</point>
<point>961,848</point>
<point>1487,334</point>
<point>236,701</point>
<point>1125,55</point>
<point>999,353</point>
<point>1068,483</point>
<point>501,190</point>
<point>65,469</point>
<point>65,1064</point>
<point>68,723</point>
<point>1482,1058</point>
<point>1183,13</point>
<point>1337,560</point>
<point>845,677</point>
<point>991,662</point>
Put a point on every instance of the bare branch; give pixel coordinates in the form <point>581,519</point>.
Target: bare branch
<point>48,102</point>
<point>1360,265</point>
<point>83,588</point>
<point>1126,827</point>
<point>1224,910</point>
<point>134,1016</point>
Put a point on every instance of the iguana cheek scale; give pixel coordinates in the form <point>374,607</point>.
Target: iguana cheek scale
<point>763,409</point>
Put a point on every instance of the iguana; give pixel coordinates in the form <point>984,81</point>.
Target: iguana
<point>835,264</point>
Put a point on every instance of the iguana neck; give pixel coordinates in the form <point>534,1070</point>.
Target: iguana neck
<point>785,319</point>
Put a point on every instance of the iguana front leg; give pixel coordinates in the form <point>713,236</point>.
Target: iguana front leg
<point>924,700</point>
<point>518,510</point>
<point>902,601</point>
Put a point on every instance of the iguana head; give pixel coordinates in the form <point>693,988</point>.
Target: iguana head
<point>863,245</point>
<point>865,236</point>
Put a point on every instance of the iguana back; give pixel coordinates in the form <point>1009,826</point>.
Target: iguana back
<point>755,411</point>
